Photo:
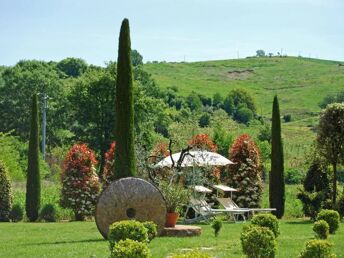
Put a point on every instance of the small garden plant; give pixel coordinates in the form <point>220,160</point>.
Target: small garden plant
<point>48,213</point>
<point>192,254</point>
<point>17,213</point>
<point>267,220</point>
<point>129,248</point>
<point>216,225</point>
<point>317,248</point>
<point>152,230</point>
<point>332,219</point>
<point>127,229</point>
<point>321,229</point>
<point>258,242</point>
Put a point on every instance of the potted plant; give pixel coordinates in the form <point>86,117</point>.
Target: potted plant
<point>175,196</point>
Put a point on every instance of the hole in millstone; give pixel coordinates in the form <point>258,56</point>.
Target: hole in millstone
<point>131,213</point>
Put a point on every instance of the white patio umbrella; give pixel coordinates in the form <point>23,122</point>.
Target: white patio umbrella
<point>198,158</point>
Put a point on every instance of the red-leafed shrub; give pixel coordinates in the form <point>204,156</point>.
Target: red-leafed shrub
<point>203,142</point>
<point>80,183</point>
<point>109,164</point>
<point>245,174</point>
<point>159,152</point>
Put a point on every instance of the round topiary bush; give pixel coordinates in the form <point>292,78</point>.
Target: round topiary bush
<point>331,217</point>
<point>267,220</point>
<point>152,229</point>
<point>124,229</point>
<point>317,248</point>
<point>130,249</point>
<point>5,194</point>
<point>17,213</point>
<point>258,242</point>
<point>321,229</point>
<point>192,254</point>
<point>48,213</point>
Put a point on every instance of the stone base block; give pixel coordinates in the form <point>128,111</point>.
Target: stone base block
<point>182,231</point>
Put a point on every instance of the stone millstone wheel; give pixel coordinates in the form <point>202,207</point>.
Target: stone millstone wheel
<point>130,198</point>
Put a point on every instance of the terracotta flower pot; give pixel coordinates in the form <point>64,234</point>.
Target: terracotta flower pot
<point>171,219</point>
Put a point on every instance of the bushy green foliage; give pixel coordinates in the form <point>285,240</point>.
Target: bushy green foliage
<point>48,213</point>
<point>267,220</point>
<point>332,98</point>
<point>125,164</point>
<point>129,248</point>
<point>340,206</point>
<point>136,58</point>
<point>71,66</point>
<point>152,229</point>
<point>216,226</point>
<point>258,242</point>
<point>192,254</point>
<point>293,176</point>
<point>5,194</point>
<point>175,195</point>
<point>124,229</point>
<point>245,174</point>
<point>331,217</point>
<point>33,183</point>
<point>330,140</point>
<point>317,248</point>
<point>17,213</point>
<point>276,183</point>
<point>204,120</point>
<point>321,229</point>
<point>316,193</point>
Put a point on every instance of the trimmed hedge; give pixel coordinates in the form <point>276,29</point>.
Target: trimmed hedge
<point>152,229</point>
<point>127,229</point>
<point>192,254</point>
<point>48,213</point>
<point>17,213</point>
<point>5,194</point>
<point>317,248</point>
<point>258,242</point>
<point>331,217</point>
<point>267,220</point>
<point>130,249</point>
<point>321,229</point>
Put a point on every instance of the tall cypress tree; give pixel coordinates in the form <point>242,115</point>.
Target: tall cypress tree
<point>125,160</point>
<point>33,183</point>
<point>276,187</point>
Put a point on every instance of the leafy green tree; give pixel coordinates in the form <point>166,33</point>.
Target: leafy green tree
<point>136,58</point>
<point>332,98</point>
<point>260,53</point>
<point>125,160</point>
<point>5,194</point>
<point>92,101</point>
<point>239,99</point>
<point>72,66</point>
<point>20,82</point>
<point>33,183</point>
<point>193,101</point>
<point>217,100</point>
<point>243,115</point>
<point>277,187</point>
<point>330,143</point>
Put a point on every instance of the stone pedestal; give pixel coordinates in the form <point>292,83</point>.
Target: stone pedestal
<point>182,231</point>
<point>130,198</point>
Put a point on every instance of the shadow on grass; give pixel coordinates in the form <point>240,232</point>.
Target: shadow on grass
<point>299,222</point>
<point>68,242</point>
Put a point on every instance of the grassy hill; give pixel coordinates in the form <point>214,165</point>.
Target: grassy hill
<point>301,84</point>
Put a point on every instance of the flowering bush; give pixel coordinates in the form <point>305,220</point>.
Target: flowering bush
<point>109,164</point>
<point>203,142</point>
<point>80,183</point>
<point>245,174</point>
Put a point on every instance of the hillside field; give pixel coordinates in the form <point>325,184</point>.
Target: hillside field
<point>300,83</point>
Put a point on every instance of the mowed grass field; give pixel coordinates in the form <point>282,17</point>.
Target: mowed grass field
<point>82,239</point>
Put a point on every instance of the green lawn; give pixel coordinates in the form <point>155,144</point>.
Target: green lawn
<point>82,239</point>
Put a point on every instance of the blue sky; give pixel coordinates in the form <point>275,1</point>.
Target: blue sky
<point>171,30</point>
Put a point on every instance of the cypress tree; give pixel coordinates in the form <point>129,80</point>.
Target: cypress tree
<point>125,164</point>
<point>33,183</point>
<point>276,187</point>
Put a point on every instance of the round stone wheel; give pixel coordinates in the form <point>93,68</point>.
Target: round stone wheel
<point>130,198</point>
